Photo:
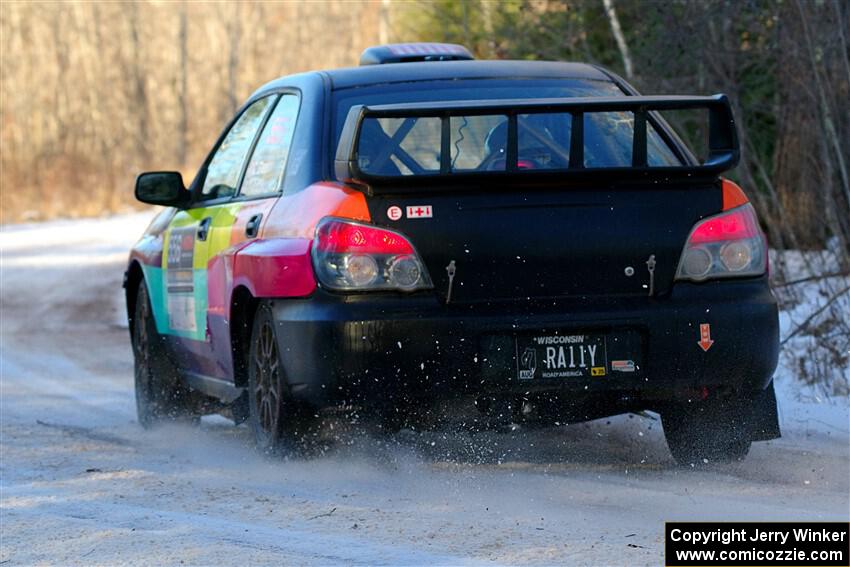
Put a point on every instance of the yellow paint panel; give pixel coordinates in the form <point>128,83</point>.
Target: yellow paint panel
<point>221,231</point>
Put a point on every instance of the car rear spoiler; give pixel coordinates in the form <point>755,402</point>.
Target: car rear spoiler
<point>723,149</point>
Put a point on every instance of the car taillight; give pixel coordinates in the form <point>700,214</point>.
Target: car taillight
<point>352,256</point>
<point>730,244</point>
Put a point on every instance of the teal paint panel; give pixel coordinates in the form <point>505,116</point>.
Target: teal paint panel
<point>156,280</point>
<point>201,299</point>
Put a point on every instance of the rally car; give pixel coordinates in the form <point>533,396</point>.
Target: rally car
<point>528,240</point>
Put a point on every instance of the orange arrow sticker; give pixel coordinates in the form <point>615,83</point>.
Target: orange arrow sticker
<point>705,341</point>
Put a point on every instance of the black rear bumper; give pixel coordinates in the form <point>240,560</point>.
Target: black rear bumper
<point>373,349</point>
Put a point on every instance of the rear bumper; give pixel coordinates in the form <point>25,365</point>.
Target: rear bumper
<point>373,349</point>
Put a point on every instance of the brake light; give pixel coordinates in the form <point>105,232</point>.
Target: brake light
<point>734,225</point>
<point>337,236</point>
<point>730,244</point>
<point>352,256</point>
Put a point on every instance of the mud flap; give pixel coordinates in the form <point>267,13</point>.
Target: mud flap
<point>764,420</point>
<point>240,409</point>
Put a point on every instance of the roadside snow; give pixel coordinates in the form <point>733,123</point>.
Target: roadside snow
<point>807,405</point>
<point>81,483</point>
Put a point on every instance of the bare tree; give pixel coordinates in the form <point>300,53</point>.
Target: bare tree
<point>619,37</point>
<point>182,79</point>
<point>91,93</point>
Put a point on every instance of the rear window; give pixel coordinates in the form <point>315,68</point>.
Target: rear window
<point>411,146</point>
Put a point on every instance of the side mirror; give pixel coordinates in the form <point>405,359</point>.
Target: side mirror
<point>164,188</point>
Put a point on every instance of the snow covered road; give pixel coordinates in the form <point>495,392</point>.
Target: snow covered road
<point>82,483</point>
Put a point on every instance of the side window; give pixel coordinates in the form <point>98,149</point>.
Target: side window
<point>268,162</point>
<point>226,165</point>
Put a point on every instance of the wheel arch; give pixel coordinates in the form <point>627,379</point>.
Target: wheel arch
<point>243,307</point>
<point>134,277</point>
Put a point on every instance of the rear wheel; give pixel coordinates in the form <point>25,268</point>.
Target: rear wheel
<point>160,394</point>
<point>707,432</point>
<point>278,422</point>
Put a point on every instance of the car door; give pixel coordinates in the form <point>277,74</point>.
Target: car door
<point>247,214</point>
<point>200,233</point>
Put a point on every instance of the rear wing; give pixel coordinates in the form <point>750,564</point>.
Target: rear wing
<point>723,148</point>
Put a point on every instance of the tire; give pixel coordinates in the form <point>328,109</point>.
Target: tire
<point>279,423</point>
<point>160,394</point>
<point>707,432</point>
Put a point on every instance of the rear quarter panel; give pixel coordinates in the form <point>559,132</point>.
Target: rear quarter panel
<point>278,263</point>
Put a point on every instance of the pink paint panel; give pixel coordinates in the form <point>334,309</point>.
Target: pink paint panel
<point>220,281</point>
<point>279,267</point>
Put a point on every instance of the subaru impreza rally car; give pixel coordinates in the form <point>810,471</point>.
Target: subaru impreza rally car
<point>524,239</point>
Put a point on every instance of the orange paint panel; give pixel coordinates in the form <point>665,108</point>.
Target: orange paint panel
<point>733,195</point>
<point>296,215</point>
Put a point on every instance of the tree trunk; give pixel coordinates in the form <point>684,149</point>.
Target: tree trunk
<point>182,78</point>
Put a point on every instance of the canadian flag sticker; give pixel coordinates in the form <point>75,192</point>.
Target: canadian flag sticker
<point>419,212</point>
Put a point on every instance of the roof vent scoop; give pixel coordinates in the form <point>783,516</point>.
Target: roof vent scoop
<point>411,52</point>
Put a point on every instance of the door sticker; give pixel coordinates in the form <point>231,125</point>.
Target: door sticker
<point>180,286</point>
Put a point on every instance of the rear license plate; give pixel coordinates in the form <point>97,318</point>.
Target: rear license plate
<point>561,356</point>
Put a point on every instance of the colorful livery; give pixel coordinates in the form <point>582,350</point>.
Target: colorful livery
<point>526,240</point>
